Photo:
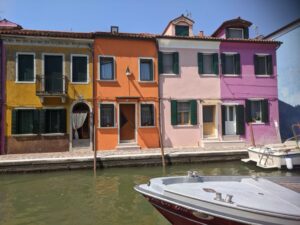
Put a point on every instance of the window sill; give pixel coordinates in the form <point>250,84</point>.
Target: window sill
<point>25,82</point>
<point>264,75</point>
<point>24,135</point>
<point>107,127</point>
<point>107,81</point>
<point>231,75</point>
<point>147,127</point>
<point>183,126</point>
<point>147,82</point>
<point>80,83</point>
<point>169,74</point>
<point>209,75</point>
<point>258,123</point>
<point>53,134</point>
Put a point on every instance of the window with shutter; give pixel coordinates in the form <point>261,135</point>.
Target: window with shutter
<point>25,67</point>
<point>181,30</point>
<point>24,121</point>
<point>184,113</point>
<point>107,115</point>
<point>55,121</point>
<point>231,64</point>
<point>235,33</point>
<point>79,69</point>
<point>169,62</point>
<point>263,65</point>
<point>257,111</point>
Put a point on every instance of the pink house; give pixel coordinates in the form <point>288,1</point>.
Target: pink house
<point>212,87</point>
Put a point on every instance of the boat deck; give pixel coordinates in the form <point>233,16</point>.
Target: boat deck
<point>292,183</point>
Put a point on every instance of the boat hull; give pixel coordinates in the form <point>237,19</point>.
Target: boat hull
<point>178,215</point>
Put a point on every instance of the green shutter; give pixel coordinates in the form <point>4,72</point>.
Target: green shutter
<point>223,118</point>
<point>255,60</point>
<point>265,111</point>
<point>42,120</point>
<point>193,104</point>
<point>63,120</point>
<point>237,64</point>
<point>200,63</point>
<point>240,120</point>
<point>176,62</point>
<point>173,112</point>
<point>216,63</point>
<point>151,71</point>
<point>248,111</point>
<point>160,63</point>
<point>36,122</point>
<point>246,33</point>
<point>223,58</point>
<point>14,122</point>
<point>269,65</point>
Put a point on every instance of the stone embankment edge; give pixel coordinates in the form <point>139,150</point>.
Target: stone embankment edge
<point>108,161</point>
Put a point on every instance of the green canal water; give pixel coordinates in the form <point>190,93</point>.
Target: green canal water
<point>79,197</point>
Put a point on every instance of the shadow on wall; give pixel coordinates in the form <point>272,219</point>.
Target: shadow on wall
<point>288,115</point>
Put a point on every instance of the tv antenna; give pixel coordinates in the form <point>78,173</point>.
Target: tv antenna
<point>256,30</point>
<point>188,14</point>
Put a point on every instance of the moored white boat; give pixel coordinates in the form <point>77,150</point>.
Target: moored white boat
<point>276,155</point>
<point>191,200</point>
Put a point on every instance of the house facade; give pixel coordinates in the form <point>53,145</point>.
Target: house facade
<point>288,68</point>
<point>2,89</point>
<point>126,91</point>
<point>219,90</point>
<point>248,85</point>
<point>49,90</point>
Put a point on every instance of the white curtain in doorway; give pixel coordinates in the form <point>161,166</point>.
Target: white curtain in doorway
<point>77,122</point>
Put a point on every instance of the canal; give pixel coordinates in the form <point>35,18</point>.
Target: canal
<point>80,198</point>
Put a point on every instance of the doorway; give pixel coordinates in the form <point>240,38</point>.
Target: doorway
<point>230,120</point>
<point>127,123</point>
<point>80,121</point>
<point>209,121</point>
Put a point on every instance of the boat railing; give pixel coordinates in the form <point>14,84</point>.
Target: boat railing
<point>295,128</point>
<point>265,153</point>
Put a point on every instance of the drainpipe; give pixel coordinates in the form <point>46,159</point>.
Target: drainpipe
<point>2,94</point>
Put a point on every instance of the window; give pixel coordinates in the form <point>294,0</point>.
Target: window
<point>79,69</point>
<point>231,64</point>
<point>208,114</point>
<point>107,112</point>
<point>107,68</point>
<point>183,113</point>
<point>257,111</point>
<point>235,33</point>
<point>23,121</point>
<point>146,70</point>
<point>25,67</point>
<point>147,115</point>
<point>55,121</point>
<point>208,63</point>
<point>181,30</point>
<point>168,62</point>
<point>263,64</point>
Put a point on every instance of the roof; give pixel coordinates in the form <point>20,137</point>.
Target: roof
<point>46,33</point>
<point>6,24</point>
<point>125,35</point>
<point>210,38</point>
<point>234,22</point>
<point>295,22</point>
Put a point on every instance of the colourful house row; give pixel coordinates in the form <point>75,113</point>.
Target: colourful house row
<point>65,90</point>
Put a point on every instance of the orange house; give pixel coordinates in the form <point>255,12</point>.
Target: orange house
<point>126,90</point>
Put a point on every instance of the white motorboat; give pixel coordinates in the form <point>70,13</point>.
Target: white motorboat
<point>276,155</point>
<point>194,200</point>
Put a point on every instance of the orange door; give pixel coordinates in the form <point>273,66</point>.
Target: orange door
<point>127,122</point>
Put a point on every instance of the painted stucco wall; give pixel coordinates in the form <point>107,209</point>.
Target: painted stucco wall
<point>247,86</point>
<point>24,95</point>
<point>2,89</point>
<point>188,85</point>
<point>127,53</point>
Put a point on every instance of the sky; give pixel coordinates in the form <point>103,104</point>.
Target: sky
<point>149,16</point>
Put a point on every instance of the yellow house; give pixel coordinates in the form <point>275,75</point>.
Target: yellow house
<point>49,89</point>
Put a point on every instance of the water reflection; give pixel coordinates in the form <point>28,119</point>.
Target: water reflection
<point>77,197</point>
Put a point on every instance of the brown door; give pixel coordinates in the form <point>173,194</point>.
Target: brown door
<point>209,123</point>
<point>127,122</point>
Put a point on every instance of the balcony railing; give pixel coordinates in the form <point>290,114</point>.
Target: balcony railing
<point>51,86</point>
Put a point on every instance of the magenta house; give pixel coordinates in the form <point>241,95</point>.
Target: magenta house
<point>249,91</point>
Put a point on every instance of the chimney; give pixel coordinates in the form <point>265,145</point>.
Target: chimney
<point>201,33</point>
<point>114,29</point>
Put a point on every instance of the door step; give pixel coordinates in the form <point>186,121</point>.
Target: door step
<point>128,146</point>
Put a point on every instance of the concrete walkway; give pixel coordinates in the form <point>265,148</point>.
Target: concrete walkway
<point>79,159</point>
